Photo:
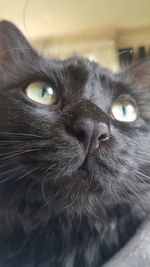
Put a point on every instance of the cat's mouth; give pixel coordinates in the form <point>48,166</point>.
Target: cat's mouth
<point>81,175</point>
<point>84,180</point>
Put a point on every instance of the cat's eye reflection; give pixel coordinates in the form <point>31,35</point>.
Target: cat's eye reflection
<point>42,93</point>
<point>124,110</point>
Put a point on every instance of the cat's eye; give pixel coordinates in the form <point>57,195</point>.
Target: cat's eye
<point>124,110</point>
<point>42,93</point>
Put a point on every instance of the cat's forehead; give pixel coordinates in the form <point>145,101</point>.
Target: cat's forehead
<point>85,68</point>
<point>74,78</point>
<point>92,74</point>
<point>75,66</point>
<point>80,72</point>
<point>78,78</point>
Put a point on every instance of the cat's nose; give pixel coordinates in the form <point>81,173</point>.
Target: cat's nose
<point>90,133</point>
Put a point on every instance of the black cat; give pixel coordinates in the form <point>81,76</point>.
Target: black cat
<point>74,157</point>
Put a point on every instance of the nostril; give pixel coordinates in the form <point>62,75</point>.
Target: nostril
<point>77,132</point>
<point>103,137</point>
<point>80,135</point>
<point>89,133</point>
<point>82,130</point>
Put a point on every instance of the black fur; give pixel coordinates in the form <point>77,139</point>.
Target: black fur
<point>62,205</point>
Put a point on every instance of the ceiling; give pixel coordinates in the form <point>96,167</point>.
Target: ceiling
<point>57,18</point>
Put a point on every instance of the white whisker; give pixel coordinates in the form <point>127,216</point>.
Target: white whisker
<point>20,153</point>
<point>20,134</point>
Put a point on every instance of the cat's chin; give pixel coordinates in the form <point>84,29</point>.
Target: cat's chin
<point>87,183</point>
<point>90,205</point>
<point>83,197</point>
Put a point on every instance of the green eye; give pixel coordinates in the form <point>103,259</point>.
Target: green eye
<point>124,110</point>
<point>42,93</point>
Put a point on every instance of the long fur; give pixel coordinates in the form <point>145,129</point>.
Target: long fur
<point>60,206</point>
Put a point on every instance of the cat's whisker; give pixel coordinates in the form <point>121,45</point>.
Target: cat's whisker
<point>145,161</point>
<point>28,189</point>
<point>27,173</point>
<point>10,174</point>
<point>67,195</point>
<point>142,174</point>
<point>142,179</point>
<point>43,185</point>
<point>127,196</point>
<point>32,183</point>
<point>124,192</point>
<point>2,142</point>
<point>20,134</point>
<point>8,171</point>
<point>22,184</point>
<point>73,201</point>
<point>20,153</point>
<point>136,188</point>
<point>11,152</point>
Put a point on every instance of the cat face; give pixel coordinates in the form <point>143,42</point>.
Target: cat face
<point>73,135</point>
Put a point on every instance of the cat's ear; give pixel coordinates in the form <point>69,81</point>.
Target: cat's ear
<point>140,72</point>
<point>14,48</point>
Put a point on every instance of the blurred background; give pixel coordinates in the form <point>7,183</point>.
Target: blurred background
<point>112,32</point>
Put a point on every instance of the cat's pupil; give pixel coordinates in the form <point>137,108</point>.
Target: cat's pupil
<point>124,110</point>
<point>44,91</point>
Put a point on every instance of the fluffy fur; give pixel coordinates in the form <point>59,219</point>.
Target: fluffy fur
<point>61,204</point>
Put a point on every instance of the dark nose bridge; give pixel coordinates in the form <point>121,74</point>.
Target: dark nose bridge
<point>89,124</point>
<point>88,110</point>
